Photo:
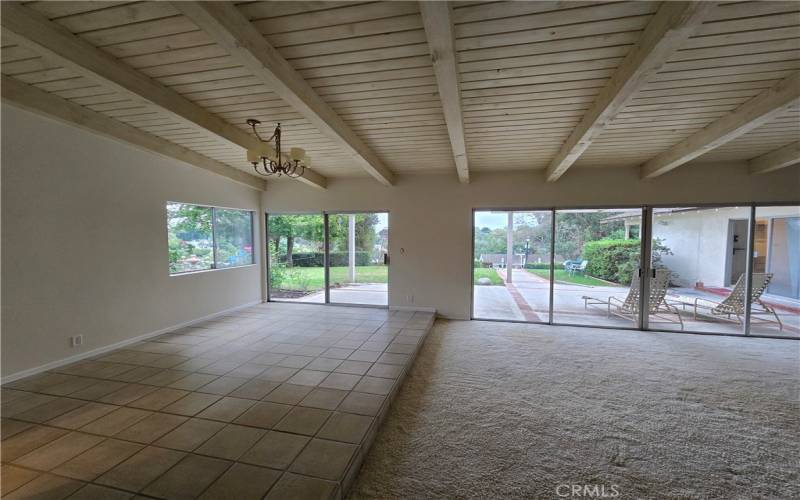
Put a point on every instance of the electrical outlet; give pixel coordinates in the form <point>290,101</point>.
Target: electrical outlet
<point>76,341</point>
<point>410,299</point>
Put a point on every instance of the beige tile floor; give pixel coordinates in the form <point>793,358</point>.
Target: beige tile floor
<point>273,401</point>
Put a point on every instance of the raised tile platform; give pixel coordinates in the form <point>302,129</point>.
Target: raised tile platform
<point>273,401</point>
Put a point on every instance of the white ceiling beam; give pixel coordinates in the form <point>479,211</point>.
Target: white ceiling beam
<point>228,27</point>
<point>59,45</point>
<point>668,29</point>
<point>43,103</point>
<point>437,19</point>
<point>783,157</point>
<point>752,114</point>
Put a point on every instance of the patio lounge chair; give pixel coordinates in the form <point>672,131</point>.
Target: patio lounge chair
<point>575,266</point>
<point>731,308</point>
<point>629,307</point>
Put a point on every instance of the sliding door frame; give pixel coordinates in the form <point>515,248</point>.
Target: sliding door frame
<point>645,263</point>
<point>325,259</point>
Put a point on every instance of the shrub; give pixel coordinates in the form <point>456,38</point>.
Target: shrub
<point>612,260</point>
<point>317,259</point>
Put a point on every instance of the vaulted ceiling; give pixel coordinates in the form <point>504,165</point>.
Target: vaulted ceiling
<point>387,88</point>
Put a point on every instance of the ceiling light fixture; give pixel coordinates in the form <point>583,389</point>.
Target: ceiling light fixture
<point>268,160</point>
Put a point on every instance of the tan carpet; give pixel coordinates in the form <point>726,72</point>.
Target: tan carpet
<point>495,410</point>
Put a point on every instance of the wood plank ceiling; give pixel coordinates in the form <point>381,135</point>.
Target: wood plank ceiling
<point>529,71</point>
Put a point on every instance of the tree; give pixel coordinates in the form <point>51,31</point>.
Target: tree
<point>291,227</point>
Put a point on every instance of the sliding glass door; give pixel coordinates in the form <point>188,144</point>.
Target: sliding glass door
<point>351,268</point>
<point>597,260</point>
<point>358,250</point>
<point>775,307</point>
<point>511,265</point>
<point>296,257</point>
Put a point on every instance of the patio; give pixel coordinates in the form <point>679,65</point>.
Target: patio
<point>527,299</point>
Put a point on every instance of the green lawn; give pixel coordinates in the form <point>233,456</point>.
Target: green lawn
<point>485,272</point>
<point>563,275</point>
<point>313,278</point>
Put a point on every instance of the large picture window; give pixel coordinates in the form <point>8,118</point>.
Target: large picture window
<point>202,238</point>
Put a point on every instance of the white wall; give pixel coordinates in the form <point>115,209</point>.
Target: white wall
<point>431,216</point>
<point>85,243</point>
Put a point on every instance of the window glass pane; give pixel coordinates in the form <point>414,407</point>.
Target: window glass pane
<point>190,238</point>
<point>296,258</point>
<point>775,307</point>
<point>519,291</point>
<point>597,258</point>
<point>234,237</point>
<point>359,248</point>
<point>700,259</point>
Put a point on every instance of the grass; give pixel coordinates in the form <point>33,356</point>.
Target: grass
<point>483,272</point>
<point>563,276</point>
<point>313,278</point>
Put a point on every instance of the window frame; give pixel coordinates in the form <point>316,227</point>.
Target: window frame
<point>214,266</point>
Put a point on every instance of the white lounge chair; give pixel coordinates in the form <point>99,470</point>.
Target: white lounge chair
<point>629,307</point>
<point>732,307</point>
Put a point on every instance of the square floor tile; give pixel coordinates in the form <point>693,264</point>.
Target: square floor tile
<point>59,451</point>
<point>299,487</point>
<point>375,385</point>
<point>385,370</point>
<point>49,410</point>
<point>277,373</point>
<point>116,421</point>
<point>302,420</point>
<point>193,381</point>
<point>164,377</point>
<point>363,404</point>
<point>12,477</point>
<point>295,361</point>
<point>151,428</point>
<point>324,364</point>
<point>227,409</point>
<point>346,427</point>
<point>188,478</point>
<point>10,427</point>
<point>45,487</point>
<point>361,355</point>
<point>342,381</point>
<point>255,389</point>
<point>192,404</point>
<point>242,482</point>
<point>308,377</point>
<point>158,399</point>
<point>231,442</point>
<point>95,492</point>
<point>83,415</point>
<point>131,392</point>
<point>263,414</point>
<point>324,459</point>
<point>353,367</point>
<point>275,450</point>
<point>95,461</point>
<point>223,385</point>
<point>141,469</point>
<point>326,399</point>
<point>29,440</point>
<point>190,435</point>
<point>288,394</point>
<point>337,353</point>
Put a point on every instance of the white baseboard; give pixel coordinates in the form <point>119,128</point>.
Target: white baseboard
<point>413,309</point>
<point>117,345</point>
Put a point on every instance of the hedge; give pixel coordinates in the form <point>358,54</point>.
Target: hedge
<point>612,260</point>
<point>317,259</point>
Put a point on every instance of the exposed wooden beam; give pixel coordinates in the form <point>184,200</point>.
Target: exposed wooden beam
<point>58,44</point>
<point>228,27</point>
<point>754,113</point>
<point>50,105</point>
<point>436,17</point>
<point>774,160</point>
<point>668,29</point>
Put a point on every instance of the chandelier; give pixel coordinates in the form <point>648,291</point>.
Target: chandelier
<point>267,160</point>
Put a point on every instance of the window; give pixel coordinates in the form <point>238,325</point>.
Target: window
<point>202,238</point>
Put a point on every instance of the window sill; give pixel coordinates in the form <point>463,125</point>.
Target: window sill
<point>202,271</point>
